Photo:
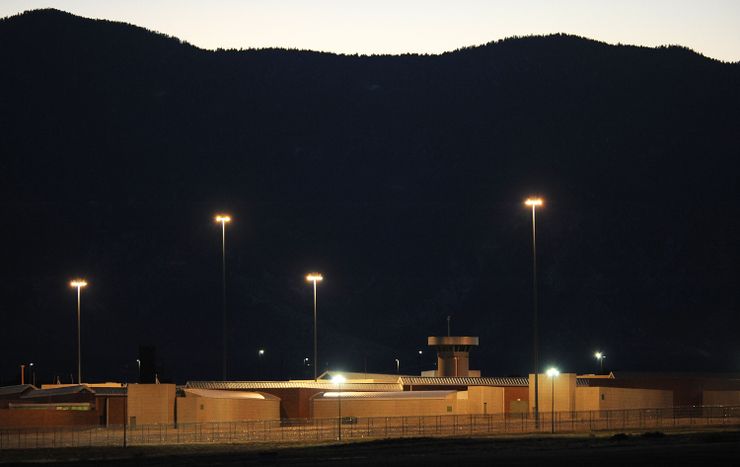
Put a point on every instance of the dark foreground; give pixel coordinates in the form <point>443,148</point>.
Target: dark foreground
<point>635,449</point>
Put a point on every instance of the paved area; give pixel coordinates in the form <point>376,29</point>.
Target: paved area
<point>707,448</point>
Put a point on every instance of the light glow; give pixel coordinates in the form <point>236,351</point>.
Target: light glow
<point>78,283</point>
<point>223,218</point>
<point>338,379</point>
<point>533,202</point>
<point>552,372</point>
<point>599,355</point>
<point>314,277</point>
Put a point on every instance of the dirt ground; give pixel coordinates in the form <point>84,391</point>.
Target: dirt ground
<point>704,448</point>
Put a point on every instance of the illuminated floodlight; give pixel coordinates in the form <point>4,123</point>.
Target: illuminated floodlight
<point>599,355</point>
<point>338,379</point>
<point>314,277</point>
<point>78,283</point>
<point>533,202</point>
<point>223,218</point>
<point>552,372</point>
<point>261,352</point>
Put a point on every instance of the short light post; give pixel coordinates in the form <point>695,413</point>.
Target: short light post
<point>398,366</point>
<point>315,277</point>
<point>552,373</point>
<point>23,373</point>
<point>339,380</point>
<point>78,284</point>
<point>260,354</point>
<point>600,356</point>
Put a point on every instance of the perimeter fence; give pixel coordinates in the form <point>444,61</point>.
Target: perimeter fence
<point>354,428</point>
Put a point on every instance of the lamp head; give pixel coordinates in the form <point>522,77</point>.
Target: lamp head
<point>223,218</point>
<point>78,283</point>
<point>314,277</point>
<point>531,202</point>
<point>552,372</point>
<point>338,379</point>
<point>599,355</point>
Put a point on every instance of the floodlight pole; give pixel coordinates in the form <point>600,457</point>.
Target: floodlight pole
<point>223,219</point>
<point>79,351</point>
<point>315,338</point>
<point>535,338</point>
<point>533,203</point>
<point>78,284</point>
<point>315,277</point>
<point>223,300</point>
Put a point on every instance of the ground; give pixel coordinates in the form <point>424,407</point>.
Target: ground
<point>702,448</point>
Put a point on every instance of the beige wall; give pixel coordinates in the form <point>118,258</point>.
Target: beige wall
<point>590,398</point>
<point>564,390</point>
<point>196,409</point>
<point>587,399</point>
<point>328,408</point>
<point>721,398</point>
<point>151,404</point>
<point>485,400</point>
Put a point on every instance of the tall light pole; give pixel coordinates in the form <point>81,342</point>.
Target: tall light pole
<point>315,277</point>
<point>339,380</point>
<point>600,356</point>
<point>223,219</point>
<point>78,284</point>
<point>534,203</point>
<point>552,373</point>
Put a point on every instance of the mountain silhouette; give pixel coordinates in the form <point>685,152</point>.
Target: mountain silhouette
<point>400,178</point>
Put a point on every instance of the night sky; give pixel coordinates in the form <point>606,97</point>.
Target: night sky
<point>400,178</point>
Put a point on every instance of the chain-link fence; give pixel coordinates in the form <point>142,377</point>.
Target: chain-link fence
<point>352,428</point>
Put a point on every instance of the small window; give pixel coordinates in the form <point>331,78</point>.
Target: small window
<point>201,406</point>
<point>449,408</point>
<point>602,397</point>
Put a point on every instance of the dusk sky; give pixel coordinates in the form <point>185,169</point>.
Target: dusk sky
<point>709,27</point>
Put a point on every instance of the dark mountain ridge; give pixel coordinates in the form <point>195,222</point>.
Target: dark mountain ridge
<point>400,177</point>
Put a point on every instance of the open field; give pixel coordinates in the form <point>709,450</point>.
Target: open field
<point>651,448</point>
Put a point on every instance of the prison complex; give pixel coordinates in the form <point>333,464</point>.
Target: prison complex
<point>452,389</point>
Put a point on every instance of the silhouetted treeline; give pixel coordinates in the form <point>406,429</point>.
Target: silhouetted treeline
<point>399,177</point>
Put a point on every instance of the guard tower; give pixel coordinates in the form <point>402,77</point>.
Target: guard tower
<point>453,354</point>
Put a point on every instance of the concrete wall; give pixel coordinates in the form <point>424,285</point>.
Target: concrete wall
<point>375,407</point>
<point>196,409</point>
<point>485,400</point>
<point>728,398</point>
<point>564,391</point>
<point>111,409</point>
<point>151,404</point>
<point>609,398</point>
<point>29,418</point>
<point>294,402</point>
<point>516,399</point>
